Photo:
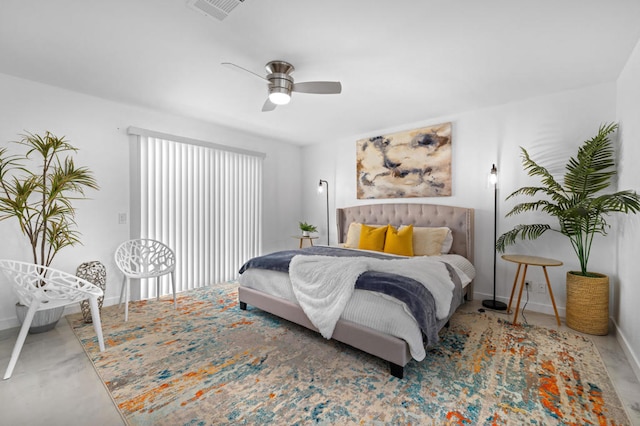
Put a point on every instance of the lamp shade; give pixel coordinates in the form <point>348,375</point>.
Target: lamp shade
<point>279,98</point>
<point>493,175</point>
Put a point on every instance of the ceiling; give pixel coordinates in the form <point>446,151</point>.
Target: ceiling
<point>399,61</point>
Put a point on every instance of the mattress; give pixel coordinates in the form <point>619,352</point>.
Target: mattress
<point>372,309</point>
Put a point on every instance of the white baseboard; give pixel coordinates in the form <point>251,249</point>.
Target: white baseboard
<point>634,362</point>
<point>6,323</point>
<point>12,322</point>
<point>542,308</point>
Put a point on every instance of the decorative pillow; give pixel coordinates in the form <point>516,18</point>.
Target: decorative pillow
<point>372,238</point>
<point>431,241</point>
<point>353,234</point>
<point>399,241</point>
<point>447,243</point>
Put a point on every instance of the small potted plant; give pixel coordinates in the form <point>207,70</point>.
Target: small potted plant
<point>306,228</point>
<point>40,199</point>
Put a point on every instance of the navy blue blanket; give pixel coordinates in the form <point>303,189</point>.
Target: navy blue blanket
<point>418,299</point>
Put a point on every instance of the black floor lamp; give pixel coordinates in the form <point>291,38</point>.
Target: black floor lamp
<point>320,189</point>
<point>493,303</point>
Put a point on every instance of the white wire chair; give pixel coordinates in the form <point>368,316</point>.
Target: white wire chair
<point>144,258</point>
<point>41,288</point>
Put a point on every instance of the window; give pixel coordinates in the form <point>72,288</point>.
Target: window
<point>201,199</point>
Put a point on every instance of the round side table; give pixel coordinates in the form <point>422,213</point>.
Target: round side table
<point>302,239</point>
<point>525,260</point>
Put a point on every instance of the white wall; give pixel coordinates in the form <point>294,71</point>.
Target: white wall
<point>549,127</point>
<point>98,128</point>
<point>628,294</point>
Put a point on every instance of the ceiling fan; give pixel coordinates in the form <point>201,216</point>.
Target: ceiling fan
<point>281,83</point>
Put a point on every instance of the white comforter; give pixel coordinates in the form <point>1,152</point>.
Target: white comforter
<point>324,284</point>
<point>372,309</point>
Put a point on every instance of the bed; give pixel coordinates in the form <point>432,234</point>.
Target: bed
<point>395,336</point>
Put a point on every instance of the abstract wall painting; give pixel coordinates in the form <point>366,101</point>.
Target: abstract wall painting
<point>408,164</point>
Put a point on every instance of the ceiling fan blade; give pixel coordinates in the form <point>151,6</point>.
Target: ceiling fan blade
<point>268,106</point>
<point>239,68</point>
<point>318,87</point>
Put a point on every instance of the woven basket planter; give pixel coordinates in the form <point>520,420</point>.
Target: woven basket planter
<point>588,303</point>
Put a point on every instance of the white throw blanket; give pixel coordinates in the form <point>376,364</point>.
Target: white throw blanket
<point>324,284</point>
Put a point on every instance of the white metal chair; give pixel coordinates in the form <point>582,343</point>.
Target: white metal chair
<point>144,258</point>
<point>40,288</point>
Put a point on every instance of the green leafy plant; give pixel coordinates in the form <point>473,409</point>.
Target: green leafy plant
<point>579,203</point>
<point>41,199</point>
<point>305,227</point>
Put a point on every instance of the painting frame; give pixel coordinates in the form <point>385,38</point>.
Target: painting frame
<point>407,164</point>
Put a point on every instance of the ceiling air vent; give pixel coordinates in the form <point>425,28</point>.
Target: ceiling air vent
<point>218,9</point>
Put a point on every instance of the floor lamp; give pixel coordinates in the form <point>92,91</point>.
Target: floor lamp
<point>321,189</point>
<point>493,303</point>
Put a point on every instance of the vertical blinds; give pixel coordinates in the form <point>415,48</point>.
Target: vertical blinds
<point>203,201</point>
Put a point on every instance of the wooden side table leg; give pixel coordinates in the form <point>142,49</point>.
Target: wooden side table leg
<point>553,301</point>
<point>524,275</point>
<point>311,242</point>
<point>301,240</point>
<point>513,289</point>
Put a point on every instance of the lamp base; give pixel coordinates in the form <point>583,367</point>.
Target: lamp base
<point>494,304</point>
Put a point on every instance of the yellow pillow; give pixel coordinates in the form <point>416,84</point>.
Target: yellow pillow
<point>372,238</point>
<point>353,234</point>
<point>399,242</point>
<point>428,241</point>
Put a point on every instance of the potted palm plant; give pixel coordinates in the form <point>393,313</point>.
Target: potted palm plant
<point>581,208</point>
<point>41,200</point>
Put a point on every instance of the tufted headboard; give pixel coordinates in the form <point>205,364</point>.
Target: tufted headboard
<point>458,219</point>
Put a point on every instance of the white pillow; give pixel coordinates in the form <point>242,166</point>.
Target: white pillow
<point>447,243</point>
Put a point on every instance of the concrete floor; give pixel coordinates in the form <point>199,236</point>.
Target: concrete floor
<point>54,382</point>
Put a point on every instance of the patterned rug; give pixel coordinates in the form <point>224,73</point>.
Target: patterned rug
<point>211,363</point>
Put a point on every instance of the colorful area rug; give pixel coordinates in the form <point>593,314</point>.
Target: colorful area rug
<point>211,363</point>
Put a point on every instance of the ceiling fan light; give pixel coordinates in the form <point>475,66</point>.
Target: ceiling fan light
<point>279,98</point>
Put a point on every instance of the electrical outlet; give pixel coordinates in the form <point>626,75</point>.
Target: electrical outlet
<point>122,218</point>
<point>541,288</point>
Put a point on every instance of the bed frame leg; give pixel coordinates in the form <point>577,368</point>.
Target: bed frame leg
<point>396,370</point>
<point>243,306</point>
